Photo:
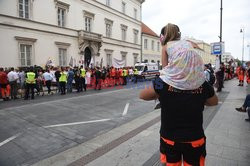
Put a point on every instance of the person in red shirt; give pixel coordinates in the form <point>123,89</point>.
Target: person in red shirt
<point>248,76</point>
<point>4,85</point>
<point>120,76</point>
<point>113,73</point>
<point>241,76</point>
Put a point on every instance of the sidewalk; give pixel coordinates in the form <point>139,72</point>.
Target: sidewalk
<point>137,142</point>
<point>228,134</point>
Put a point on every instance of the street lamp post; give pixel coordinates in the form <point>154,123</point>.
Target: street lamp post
<point>242,31</point>
<point>220,28</point>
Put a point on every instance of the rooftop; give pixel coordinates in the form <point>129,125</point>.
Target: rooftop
<point>148,31</point>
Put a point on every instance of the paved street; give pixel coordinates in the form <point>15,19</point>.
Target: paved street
<point>227,138</point>
<point>112,127</point>
<point>30,126</point>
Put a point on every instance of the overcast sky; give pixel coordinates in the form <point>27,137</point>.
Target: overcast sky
<point>201,19</point>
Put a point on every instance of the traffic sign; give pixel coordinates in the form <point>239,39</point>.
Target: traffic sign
<point>217,48</point>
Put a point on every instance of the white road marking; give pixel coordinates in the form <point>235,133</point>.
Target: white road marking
<point>125,111</point>
<point>77,123</point>
<point>9,139</point>
<point>220,102</point>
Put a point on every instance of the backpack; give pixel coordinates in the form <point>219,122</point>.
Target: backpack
<point>212,78</point>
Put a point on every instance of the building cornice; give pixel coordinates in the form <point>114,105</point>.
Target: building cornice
<point>33,29</point>
<point>32,21</point>
<point>111,43</point>
<point>136,46</point>
<point>25,39</point>
<point>62,44</point>
<point>62,4</point>
<point>121,41</point>
<point>150,36</point>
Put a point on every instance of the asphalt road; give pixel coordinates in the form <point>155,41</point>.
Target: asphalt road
<point>34,130</point>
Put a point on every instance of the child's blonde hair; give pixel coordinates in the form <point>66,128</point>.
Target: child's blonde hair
<point>170,32</point>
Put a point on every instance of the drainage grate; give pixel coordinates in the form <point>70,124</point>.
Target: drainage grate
<point>106,148</point>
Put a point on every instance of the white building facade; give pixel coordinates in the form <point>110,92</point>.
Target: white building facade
<point>151,47</point>
<point>226,57</point>
<point>204,50</point>
<point>69,31</point>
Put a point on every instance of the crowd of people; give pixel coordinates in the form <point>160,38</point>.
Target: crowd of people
<point>224,73</point>
<point>25,82</point>
<point>19,82</point>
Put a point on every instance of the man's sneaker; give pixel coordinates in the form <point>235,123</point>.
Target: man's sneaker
<point>240,109</point>
<point>247,120</point>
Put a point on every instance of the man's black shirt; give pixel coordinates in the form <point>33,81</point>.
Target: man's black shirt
<point>181,111</point>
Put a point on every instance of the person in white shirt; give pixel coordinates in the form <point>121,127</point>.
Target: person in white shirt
<point>13,78</point>
<point>207,73</point>
<point>21,76</point>
<point>48,77</point>
<point>131,73</point>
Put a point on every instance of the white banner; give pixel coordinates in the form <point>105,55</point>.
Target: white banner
<point>118,63</point>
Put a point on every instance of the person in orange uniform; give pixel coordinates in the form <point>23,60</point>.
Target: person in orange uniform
<point>237,71</point>
<point>248,76</point>
<point>4,85</point>
<point>113,73</point>
<point>241,75</point>
<point>120,76</point>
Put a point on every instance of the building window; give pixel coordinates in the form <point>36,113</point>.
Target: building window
<point>88,22</point>
<point>25,54</point>
<point>24,9</point>
<point>153,45</point>
<point>124,7</point>
<point>88,18</point>
<point>62,57</point>
<point>124,32</point>
<point>108,30</point>
<point>135,13</point>
<point>158,46</point>
<point>26,51</point>
<point>145,44</point>
<point>108,2</point>
<point>108,56</point>
<point>109,24</point>
<point>135,58</point>
<point>61,17</point>
<point>62,9</point>
<point>136,32</point>
<point>124,58</point>
<point>109,60</point>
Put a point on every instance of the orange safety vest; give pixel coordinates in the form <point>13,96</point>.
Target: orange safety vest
<point>241,75</point>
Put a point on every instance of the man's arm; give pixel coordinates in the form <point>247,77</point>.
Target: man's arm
<point>212,101</point>
<point>148,94</point>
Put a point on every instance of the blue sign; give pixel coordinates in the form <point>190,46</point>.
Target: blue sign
<point>217,48</point>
